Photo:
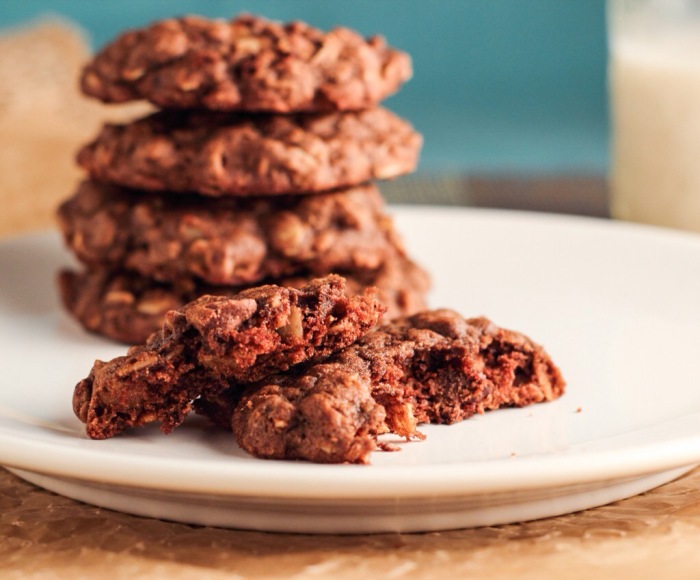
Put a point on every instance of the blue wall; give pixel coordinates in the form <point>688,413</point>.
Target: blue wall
<point>499,85</point>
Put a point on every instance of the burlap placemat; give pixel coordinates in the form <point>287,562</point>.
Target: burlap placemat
<point>43,120</point>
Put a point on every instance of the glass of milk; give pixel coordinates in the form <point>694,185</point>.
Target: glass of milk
<point>654,80</point>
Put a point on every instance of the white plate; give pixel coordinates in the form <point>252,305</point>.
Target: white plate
<point>616,306</point>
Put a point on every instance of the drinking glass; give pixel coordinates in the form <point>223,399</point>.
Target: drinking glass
<point>654,82</point>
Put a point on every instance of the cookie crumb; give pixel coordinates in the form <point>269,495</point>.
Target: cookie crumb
<point>386,446</point>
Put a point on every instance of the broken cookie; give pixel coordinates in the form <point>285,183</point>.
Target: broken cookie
<point>433,367</point>
<point>216,340</point>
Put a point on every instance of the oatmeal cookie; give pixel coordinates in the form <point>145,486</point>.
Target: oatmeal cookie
<point>325,415</point>
<point>231,241</point>
<point>247,63</point>
<point>128,307</point>
<point>220,154</point>
<point>215,340</point>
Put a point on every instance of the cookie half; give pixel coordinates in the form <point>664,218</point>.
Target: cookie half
<point>215,340</point>
<point>231,241</point>
<point>219,154</point>
<point>128,308</point>
<point>248,63</point>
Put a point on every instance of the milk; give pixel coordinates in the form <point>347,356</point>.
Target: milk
<point>654,78</point>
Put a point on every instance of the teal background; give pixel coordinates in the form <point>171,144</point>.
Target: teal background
<point>514,86</point>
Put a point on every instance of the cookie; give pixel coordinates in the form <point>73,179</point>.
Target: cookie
<point>128,308</point>
<point>248,63</point>
<point>220,154</point>
<point>215,340</point>
<point>325,415</point>
<point>231,241</point>
<point>433,367</point>
<point>445,368</point>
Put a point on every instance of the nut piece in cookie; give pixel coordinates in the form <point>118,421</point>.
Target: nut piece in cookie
<point>248,63</point>
<point>214,341</point>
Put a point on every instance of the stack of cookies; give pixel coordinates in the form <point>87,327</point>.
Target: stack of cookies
<point>258,169</point>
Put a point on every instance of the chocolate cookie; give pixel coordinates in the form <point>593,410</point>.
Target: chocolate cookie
<point>433,367</point>
<point>248,64</point>
<point>219,154</point>
<point>127,307</point>
<point>230,241</point>
<point>325,415</point>
<point>446,368</point>
<point>214,340</point>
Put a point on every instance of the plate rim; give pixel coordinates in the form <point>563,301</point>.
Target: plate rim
<point>544,472</point>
